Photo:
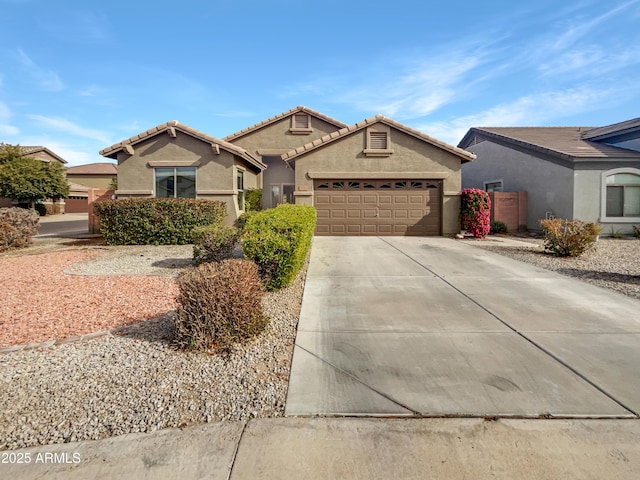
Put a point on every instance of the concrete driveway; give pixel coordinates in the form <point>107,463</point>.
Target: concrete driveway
<point>402,326</point>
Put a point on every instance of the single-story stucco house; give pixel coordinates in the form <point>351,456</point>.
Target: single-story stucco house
<point>377,177</point>
<point>582,173</point>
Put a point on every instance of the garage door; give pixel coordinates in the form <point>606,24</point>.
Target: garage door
<point>378,207</point>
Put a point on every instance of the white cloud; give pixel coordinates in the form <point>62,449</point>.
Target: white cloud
<point>69,127</point>
<point>5,117</point>
<point>47,79</point>
<point>530,110</point>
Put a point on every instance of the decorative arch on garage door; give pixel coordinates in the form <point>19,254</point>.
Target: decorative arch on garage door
<point>378,207</point>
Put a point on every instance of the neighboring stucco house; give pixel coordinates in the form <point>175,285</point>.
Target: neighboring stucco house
<point>83,177</point>
<point>44,155</point>
<point>93,175</point>
<point>584,173</point>
<point>377,177</point>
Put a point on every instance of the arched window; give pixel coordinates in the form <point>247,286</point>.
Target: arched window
<point>621,193</point>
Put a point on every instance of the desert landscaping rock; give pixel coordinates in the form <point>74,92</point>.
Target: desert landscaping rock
<point>135,381</point>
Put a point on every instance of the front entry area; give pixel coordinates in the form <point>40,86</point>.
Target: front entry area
<point>378,207</point>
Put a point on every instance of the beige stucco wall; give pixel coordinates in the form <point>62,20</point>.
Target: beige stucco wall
<point>215,174</point>
<point>410,155</point>
<point>276,136</point>
<point>94,181</point>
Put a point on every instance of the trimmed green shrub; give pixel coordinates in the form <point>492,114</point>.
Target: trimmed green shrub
<point>253,200</point>
<point>213,243</point>
<point>155,221</point>
<point>498,227</point>
<point>219,304</point>
<point>568,238</point>
<point>475,210</point>
<point>241,221</point>
<point>278,241</point>
<point>41,208</point>
<point>17,226</point>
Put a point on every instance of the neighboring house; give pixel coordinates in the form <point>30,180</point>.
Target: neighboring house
<point>377,177</point>
<point>94,175</point>
<point>174,160</point>
<point>584,173</point>
<point>83,177</point>
<point>44,155</point>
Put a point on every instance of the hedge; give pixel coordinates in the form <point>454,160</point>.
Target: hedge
<point>278,241</point>
<point>155,221</point>
<point>214,243</point>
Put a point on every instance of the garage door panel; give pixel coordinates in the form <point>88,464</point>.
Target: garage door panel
<point>398,207</point>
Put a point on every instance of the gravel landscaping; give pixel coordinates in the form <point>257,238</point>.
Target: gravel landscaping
<point>613,264</point>
<point>134,380</point>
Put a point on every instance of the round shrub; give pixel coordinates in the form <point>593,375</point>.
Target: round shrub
<point>41,208</point>
<point>568,238</point>
<point>219,304</point>
<point>253,200</point>
<point>498,227</point>
<point>18,226</point>
<point>214,243</point>
<point>475,211</point>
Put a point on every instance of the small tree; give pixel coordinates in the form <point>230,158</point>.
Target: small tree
<point>475,212</point>
<point>28,180</point>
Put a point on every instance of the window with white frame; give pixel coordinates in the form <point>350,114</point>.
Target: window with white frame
<point>493,186</point>
<point>240,187</point>
<point>175,182</point>
<point>622,193</point>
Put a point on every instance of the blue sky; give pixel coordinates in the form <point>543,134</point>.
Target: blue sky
<point>78,76</point>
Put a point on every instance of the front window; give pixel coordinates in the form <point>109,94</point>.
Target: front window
<point>283,193</point>
<point>623,195</point>
<point>178,182</point>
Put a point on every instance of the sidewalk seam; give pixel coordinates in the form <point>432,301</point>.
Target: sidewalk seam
<point>235,452</point>
<point>388,397</point>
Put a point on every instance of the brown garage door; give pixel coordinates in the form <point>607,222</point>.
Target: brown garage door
<point>378,207</point>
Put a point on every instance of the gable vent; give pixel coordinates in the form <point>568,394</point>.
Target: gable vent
<point>378,140</point>
<point>301,121</point>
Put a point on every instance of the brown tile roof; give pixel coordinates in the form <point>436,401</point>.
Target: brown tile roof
<point>275,118</point>
<point>466,156</point>
<point>111,152</point>
<point>102,168</point>
<point>31,150</point>
<point>563,142</point>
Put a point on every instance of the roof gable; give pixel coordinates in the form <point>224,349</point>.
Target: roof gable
<point>34,150</point>
<point>344,132</point>
<point>171,128</point>
<point>283,115</point>
<point>615,130</point>
<point>562,142</point>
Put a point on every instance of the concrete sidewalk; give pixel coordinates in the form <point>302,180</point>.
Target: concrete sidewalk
<point>349,448</point>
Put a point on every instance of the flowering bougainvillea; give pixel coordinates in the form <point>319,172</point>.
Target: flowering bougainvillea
<point>474,212</point>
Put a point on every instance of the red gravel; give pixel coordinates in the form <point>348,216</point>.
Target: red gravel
<point>39,302</point>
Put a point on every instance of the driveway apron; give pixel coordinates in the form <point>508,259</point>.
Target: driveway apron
<point>404,326</point>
